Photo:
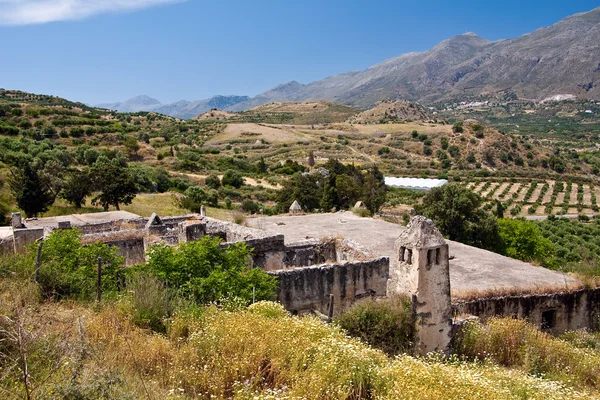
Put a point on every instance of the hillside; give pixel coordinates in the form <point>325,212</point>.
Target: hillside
<point>303,113</point>
<point>403,144</point>
<point>391,111</point>
<point>560,59</point>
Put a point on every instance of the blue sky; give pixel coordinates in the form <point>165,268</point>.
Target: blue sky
<point>110,50</point>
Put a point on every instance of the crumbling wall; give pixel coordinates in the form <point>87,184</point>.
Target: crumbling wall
<point>7,245</point>
<point>133,249</point>
<point>111,226</point>
<point>308,288</point>
<point>24,237</point>
<point>309,252</point>
<point>553,312</point>
<point>268,250</point>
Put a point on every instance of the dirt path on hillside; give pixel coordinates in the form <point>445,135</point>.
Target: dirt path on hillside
<point>368,157</point>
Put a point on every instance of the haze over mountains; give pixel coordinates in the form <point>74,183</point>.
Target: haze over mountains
<point>180,109</point>
<point>560,59</point>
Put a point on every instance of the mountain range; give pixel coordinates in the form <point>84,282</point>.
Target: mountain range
<point>180,109</point>
<point>560,59</point>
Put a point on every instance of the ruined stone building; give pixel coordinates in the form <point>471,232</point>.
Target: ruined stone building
<point>326,262</point>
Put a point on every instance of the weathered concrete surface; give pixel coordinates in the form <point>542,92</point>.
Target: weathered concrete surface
<point>7,242</point>
<point>26,236</point>
<point>471,269</point>
<point>81,219</point>
<point>308,288</point>
<point>554,312</point>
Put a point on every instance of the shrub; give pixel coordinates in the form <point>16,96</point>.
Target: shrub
<point>384,324</point>
<point>250,206</point>
<point>213,181</point>
<point>457,127</point>
<point>205,272</point>
<point>232,178</point>
<point>69,268</point>
<point>149,300</point>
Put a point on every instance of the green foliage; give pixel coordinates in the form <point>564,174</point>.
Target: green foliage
<point>458,215</point>
<point>77,185</point>
<point>384,324</point>
<point>523,240</point>
<point>27,187</point>
<point>232,178</point>
<point>213,181</point>
<point>444,142</point>
<point>342,188</point>
<point>205,272</point>
<point>69,268</point>
<point>516,343</point>
<point>193,199</point>
<point>114,182</point>
<point>383,150</point>
<point>149,300</point>
<point>250,206</point>
<point>577,247</point>
<point>457,127</point>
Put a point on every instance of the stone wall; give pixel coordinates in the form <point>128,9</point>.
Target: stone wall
<point>309,252</point>
<point>308,288</point>
<point>26,236</point>
<point>268,250</point>
<point>7,245</point>
<point>133,249</point>
<point>554,312</point>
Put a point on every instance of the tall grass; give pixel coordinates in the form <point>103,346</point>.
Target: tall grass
<point>263,352</point>
<point>515,343</point>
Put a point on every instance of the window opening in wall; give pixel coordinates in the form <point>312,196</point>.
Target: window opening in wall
<point>548,319</point>
<point>409,257</point>
<point>437,256</point>
<point>402,250</point>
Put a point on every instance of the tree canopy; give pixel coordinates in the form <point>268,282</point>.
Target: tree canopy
<point>341,187</point>
<point>115,183</point>
<point>32,195</point>
<point>458,215</point>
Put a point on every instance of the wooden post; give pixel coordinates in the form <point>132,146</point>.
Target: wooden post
<point>168,299</point>
<point>330,310</point>
<point>99,281</point>
<point>38,261</point>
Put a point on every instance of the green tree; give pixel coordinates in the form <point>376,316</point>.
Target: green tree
<point>374,190</point>
<point>523,240</point>
<point>213,181</point>
<point>77,186</point>
<point>131,144</point>
<point>458,215</point>
<point>499,209</point>
<point>232,178</point>
<point>193,198</point>
<point>206,272</point>
<point>27,187</point>
<point>114,182</point>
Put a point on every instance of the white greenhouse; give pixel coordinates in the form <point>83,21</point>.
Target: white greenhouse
<point>414,183</point>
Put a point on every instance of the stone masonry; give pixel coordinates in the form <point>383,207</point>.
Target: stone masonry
<point>423,265</point>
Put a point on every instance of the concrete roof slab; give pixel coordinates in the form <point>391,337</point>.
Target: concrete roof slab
<point>471,269</point>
